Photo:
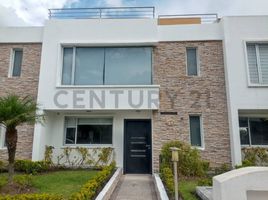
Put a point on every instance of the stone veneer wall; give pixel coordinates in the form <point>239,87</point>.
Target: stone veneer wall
<point>26,84</point>
<point>202,95</point>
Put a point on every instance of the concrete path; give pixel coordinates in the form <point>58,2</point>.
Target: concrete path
<point>135,187</point>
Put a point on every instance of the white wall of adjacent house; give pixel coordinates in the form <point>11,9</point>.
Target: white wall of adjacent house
<point>52,133</point>
<point>241,94</point>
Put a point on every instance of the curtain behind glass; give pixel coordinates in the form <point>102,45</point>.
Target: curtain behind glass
<point>128,66</point>
<point>89,63</point>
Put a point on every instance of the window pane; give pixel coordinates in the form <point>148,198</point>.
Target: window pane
<point>191,62</point>
<point>263,49</point>
<point>195,131</point>
<point>243,128</point>
<point>70,122</point>
<point>89,63</point>
<point>17,63</point>
<point>70,136</point>
<point>252,63</point>
<point>94,134</point>
<point>67,66</point>
<point>259,131</point>
<point>129,66</point>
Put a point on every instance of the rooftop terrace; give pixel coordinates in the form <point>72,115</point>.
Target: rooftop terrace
<point>130,13</point>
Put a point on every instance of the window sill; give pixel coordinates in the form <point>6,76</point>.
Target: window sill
<point>107,86</point>
<point>198,148</point>
<point>89,146</point>
<point>254,146</point>
<point>258,86</point>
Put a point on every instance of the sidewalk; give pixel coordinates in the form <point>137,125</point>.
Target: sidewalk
<point>135,187</point>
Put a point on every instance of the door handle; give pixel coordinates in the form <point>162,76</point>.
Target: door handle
<point>148,146</point>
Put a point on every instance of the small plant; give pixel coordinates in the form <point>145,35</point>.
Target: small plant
<point>83,152</point>
<point>167,177</point>
<point>23,180</point>
<point>3,182</point>
<point>32,197</point>
<point>48,154</point>
<point>67,152</point>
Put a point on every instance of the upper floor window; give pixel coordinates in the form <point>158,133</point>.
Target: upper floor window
<point>192,61</point>
<point>107,66</point>
<point>258,63</point>
<point>16,61</point>
<point>253,131</point>
<point>195,130</point>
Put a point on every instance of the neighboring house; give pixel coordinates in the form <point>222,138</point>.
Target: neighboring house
<point>20,55</point>
<point>246,60</point>
<point>135,84</point>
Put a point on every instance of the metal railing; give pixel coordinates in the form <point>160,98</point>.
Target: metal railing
<point>102,13</point>
<point>205,18</point>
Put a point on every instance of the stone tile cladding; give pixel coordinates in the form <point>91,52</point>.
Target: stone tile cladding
<point>26,84</point>
<point>203,95</point>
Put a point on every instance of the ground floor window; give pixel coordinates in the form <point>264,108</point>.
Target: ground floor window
<point>88,130</point>
<point>253,131</point>
<point>2,136</point>
<point>195,130</point>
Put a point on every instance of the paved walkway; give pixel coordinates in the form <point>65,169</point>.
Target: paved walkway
<point>135,187</point>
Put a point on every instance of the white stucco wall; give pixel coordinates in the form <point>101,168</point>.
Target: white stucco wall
<point>240,95</point>
<point>241,184</point>
<point>21,34</point>
<point>51,133</point>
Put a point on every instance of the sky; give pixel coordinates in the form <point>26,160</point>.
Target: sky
<point>35,12</point>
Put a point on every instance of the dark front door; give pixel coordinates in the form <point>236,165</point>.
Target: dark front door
<point>137,151</point>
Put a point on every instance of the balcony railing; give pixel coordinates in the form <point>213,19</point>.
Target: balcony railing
<point>197,18</point>
<point>102,13</point>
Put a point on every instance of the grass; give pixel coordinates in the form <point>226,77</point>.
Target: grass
<point>187,189</point>
<point>61,182</point>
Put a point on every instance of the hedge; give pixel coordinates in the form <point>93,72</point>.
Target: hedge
<point>93,186</point>
<point>32,197</point>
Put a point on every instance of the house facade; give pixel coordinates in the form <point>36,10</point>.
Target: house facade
<point>133,85</point>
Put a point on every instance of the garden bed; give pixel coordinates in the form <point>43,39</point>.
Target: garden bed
<point>77,184</point>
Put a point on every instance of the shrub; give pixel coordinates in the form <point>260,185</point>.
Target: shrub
<point>23,180</point>
<point>3,181</point>
<point>205,182</point>
<point>31,167</point>
<point>32,197</point>
<point>167,177</point>
<point>90,189</point>
<point>190,162</point>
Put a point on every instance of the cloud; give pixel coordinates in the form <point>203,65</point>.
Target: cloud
<point>8,17</point>
<point>32,12</point>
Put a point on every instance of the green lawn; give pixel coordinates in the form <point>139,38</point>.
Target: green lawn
<point>187,189</point>
<point>61,182</point>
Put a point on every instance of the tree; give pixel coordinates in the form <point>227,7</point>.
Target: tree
<point>15,111</point>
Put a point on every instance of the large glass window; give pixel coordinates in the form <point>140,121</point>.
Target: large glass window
<point>125,66</point>
<point>109,66</point>
<point>88,130</point>
<point>195,131</point>
<point>258,63</point>
<point>253,131</point>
